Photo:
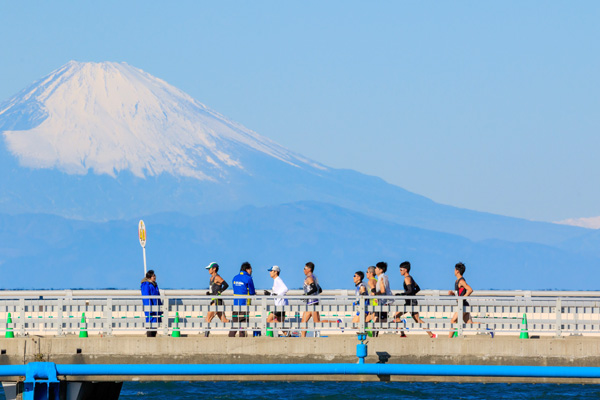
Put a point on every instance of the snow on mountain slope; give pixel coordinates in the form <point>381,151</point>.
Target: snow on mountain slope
<point>111,117</point>
<point>590,223</point>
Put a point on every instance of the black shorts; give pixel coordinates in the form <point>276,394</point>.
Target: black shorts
<point>217,302</point>
<point>239,317</point>
<point>411,302</point>
<point>279,315</point>
<point>381,316</point>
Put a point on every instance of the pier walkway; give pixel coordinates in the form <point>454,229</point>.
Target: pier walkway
<point>562,330</point>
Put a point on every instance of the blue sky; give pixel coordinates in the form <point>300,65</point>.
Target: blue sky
<point>490,106</point>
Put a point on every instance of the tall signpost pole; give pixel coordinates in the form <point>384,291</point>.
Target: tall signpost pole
<point>142,235</point>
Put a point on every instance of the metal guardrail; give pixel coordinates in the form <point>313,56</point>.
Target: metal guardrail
<point>120,313</point>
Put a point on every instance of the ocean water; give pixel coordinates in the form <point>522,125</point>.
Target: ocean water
<point>354,390</point>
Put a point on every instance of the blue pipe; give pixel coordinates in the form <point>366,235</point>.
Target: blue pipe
<point>314,369</point>
<point>332,369</point>
<point>13,370</point>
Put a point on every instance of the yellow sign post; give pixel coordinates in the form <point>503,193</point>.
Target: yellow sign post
<point>142,236</point>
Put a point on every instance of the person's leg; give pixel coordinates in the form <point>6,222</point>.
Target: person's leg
<point>222,317</point>
<point>420,321</point>
<point>453,321</point>
<point>469,319</point>
<point>305,317</point>
<point>234,319</point>
<point>210,316</point>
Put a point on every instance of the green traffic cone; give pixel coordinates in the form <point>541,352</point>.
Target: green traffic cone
<point>9,330</point>
<point>176,332</point>
<point>524,332</point>
<point>83,327</point>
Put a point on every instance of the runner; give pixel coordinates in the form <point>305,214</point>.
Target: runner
<point>383,289</point>
<point>311,288</point>
<point>360,289</point>
<point>279,290</point>
<point>461,288</point>
<point>216,286</point>
<point>372,288</point>
<point>411,288</point>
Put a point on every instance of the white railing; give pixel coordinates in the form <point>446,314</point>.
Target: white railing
<point>122,312</point>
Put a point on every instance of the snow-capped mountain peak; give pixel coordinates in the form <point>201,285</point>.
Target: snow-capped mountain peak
<point>110,117</point>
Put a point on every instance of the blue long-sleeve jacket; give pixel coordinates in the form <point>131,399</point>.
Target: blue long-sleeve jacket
<point>149,289</point>
<point>243,285</point>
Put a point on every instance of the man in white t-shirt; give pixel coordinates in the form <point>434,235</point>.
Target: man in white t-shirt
<point>279,290</point>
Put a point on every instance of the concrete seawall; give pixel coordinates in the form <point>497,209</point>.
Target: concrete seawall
<point>416,349</point>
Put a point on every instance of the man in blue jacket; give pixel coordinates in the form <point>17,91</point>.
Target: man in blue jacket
<point>243,285</point>
<point>149,287</point>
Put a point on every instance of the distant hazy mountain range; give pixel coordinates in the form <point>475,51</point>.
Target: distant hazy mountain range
<point>89,149</point>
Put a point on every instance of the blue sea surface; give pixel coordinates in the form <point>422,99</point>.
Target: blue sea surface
<point>354,390</point>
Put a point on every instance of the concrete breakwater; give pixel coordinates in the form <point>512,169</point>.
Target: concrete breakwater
<point>388,348</point>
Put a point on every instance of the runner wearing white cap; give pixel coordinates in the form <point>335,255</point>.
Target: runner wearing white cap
<point>279,290</point>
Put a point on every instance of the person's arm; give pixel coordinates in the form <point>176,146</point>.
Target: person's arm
<point>145,290</point>
<point>251,290</point>
<point>158,302</point>
<point>282,289</point>
<point>372,287</point>
<point>465,285</point>
<point>384,283</point>
<point>362,291</point>
<point>223,285</point>
<point>312,287</point>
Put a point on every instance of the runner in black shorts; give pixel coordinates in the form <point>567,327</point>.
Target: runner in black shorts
<point>411,288</point>
<point>279,289</point>
<point>217,285</point>
<point>461,288</point>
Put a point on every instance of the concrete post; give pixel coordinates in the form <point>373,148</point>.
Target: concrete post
<point>107,328</point>
<point>165,312</point>
<point>263,318</point>
<point>21,323</point>
<point>362,310</point>
<point>59,317</point>
<point>461,312</point>
<point>558,311</point>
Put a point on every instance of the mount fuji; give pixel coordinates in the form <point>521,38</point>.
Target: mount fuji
<point>97,142</point>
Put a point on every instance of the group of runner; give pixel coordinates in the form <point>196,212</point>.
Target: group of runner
<point>377,284</point>
<point>243,286</point>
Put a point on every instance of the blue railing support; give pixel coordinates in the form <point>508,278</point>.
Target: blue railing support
<point>361,348</point>
<point>41,381</point>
